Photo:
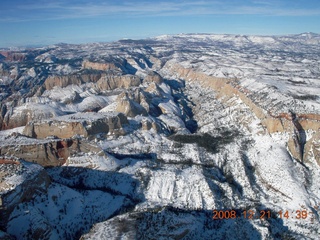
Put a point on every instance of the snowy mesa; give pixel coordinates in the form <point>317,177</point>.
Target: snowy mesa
<point>141,139</point>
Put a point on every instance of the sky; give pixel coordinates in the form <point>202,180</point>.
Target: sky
<point>45,22</point>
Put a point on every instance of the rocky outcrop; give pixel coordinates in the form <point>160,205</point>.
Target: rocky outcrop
<point>137,102</point>
<point>153,77</point>
<point>20,116</point>
<point>4,70</point>
<point>312,148</point>
<point>111,82</point>
<point>14,56</point>
<point>84,124</point>
<point>129,107</point>
<point>103,81</point>
<point>146,125</point>
<point>65,80</point>
<point>99,65</point>
<point>1,58</point>
<point>3,111</point>
<point>227,88</point>
<point>12,117</point>
<point>47,153</point>
<point>154,89</point>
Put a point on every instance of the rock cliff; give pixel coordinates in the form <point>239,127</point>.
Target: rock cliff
<point>47,152</point>
<point>84,124</point>
<point>99,65</point>
<point>103,81</point>
<point>20,116</point>
<point>111,82</point>
<point>65,80</point>
<point>227,88</point>
<point>14,56</point>
<point>130,107</point>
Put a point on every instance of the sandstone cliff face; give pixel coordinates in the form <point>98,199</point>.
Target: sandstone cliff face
<point>65,80</point>
<point>128,104</point>
<point>154,89</point>
<point>153,77</point>
<point>20,116</point>
<point>14,56</point>
<point>103,81</point>
<point>47,153</point>
<point>111,82</point>
<point>294,148</point>
<point>312,148</point>
<point>99,66</point>
<point>227,88</point>
<point>85,124</point>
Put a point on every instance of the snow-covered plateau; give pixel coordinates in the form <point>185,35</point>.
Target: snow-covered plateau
<point>190,136</point>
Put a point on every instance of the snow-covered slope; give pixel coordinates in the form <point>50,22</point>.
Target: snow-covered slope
<point>207,128</point>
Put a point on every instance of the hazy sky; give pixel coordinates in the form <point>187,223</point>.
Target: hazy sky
<point>43,22</point>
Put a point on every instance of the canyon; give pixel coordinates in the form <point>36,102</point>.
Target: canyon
<point>145,138</point>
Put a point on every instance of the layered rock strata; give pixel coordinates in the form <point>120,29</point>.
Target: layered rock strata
<point>49,152</point>
<point>227,88</point>
<point>104,81</point>
<point>99,65</point>
<point>83,124</point>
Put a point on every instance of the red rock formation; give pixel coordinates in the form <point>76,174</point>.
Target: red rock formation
<point>7,161</point>
<point>54,152</point>
<point>14,56</point>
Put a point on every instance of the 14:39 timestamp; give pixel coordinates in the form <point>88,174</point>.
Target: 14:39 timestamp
<point>262,214</point>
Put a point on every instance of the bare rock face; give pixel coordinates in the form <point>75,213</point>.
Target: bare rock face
<point>129,107</point>
<point>14,56</point>
<point>48,152</point>
<point>4,71</point>
<point>312,148</point>
<point>104,81</point>
<point>229,87</point>
<point>20,116</point>
<point>45,153</point>
<point>154,89</point>
<point>3,111</point>
<point>225,88</point>
<point>153,77</point>
<point>85,124</point>
<point>111,82</point>
<point>99,66</point>
<point>65,80</point>
<point>294,147</point>
<point>147,125</point>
